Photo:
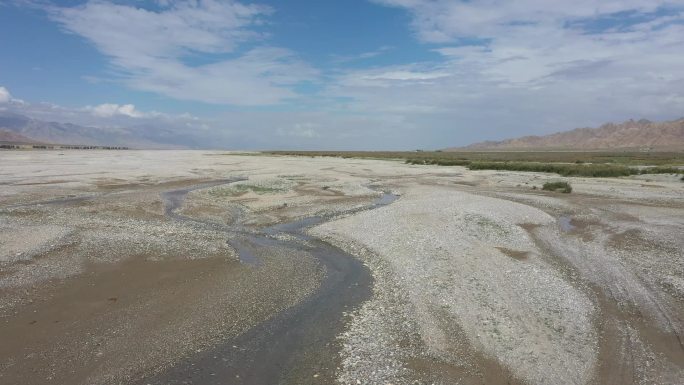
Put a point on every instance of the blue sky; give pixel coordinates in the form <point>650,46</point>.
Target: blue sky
<point>356,74</point>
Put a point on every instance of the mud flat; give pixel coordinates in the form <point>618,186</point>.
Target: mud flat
<point>207,267</point>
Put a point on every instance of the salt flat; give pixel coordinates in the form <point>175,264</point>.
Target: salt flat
<point>469,277</point>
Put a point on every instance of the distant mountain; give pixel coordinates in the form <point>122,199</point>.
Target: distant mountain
<point>34,130</point>
<point>8,136</point>
<point>628,135</point>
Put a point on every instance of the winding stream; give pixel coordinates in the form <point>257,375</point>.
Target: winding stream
<point>295,344</point>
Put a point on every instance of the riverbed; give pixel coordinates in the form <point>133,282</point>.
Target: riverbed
<point>212,267</point>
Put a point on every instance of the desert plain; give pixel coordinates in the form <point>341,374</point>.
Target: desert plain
<point>201,267</point>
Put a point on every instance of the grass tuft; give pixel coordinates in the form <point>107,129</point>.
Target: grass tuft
<point>560,186</point>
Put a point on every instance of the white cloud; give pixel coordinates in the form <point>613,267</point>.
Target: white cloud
<point>530,42</point>
<point>301,130</point>
<point>132,35</point>
<point>406,76</point>
<point>7,99</point>
<point>440,21</point>
<point>341,59</point>
<point>511,68</point>
<point>158,50</point>
<point>108,110</point>
<point>5,95</point>
<point>260,76</point>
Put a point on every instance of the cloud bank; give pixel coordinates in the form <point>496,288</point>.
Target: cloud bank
<point>164,50</point>
<point>518,67</point>
<point>107,110</point>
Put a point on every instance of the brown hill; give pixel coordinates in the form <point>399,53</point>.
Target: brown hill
<point>628,135</point>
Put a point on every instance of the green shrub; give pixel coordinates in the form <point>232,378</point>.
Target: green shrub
<point>563,187</point>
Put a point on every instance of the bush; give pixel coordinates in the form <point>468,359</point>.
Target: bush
<point>439,162</point>
<point>563,187</point>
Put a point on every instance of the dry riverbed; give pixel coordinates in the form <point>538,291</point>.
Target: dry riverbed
<point>207,267</point>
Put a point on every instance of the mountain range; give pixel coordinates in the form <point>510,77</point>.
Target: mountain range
<point>22,129</point>
<point>13,137</point>
<point>632,134</point>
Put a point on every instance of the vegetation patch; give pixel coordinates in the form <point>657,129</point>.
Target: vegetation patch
<point>560,186</point>
<point>582,164</point>
<point>564,169</point>
<point>627,158</point>
<point>241,189</point>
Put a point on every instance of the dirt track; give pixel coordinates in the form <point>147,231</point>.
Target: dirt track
<point>476,277</point>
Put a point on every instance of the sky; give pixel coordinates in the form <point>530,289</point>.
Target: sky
<point>353,74</point>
